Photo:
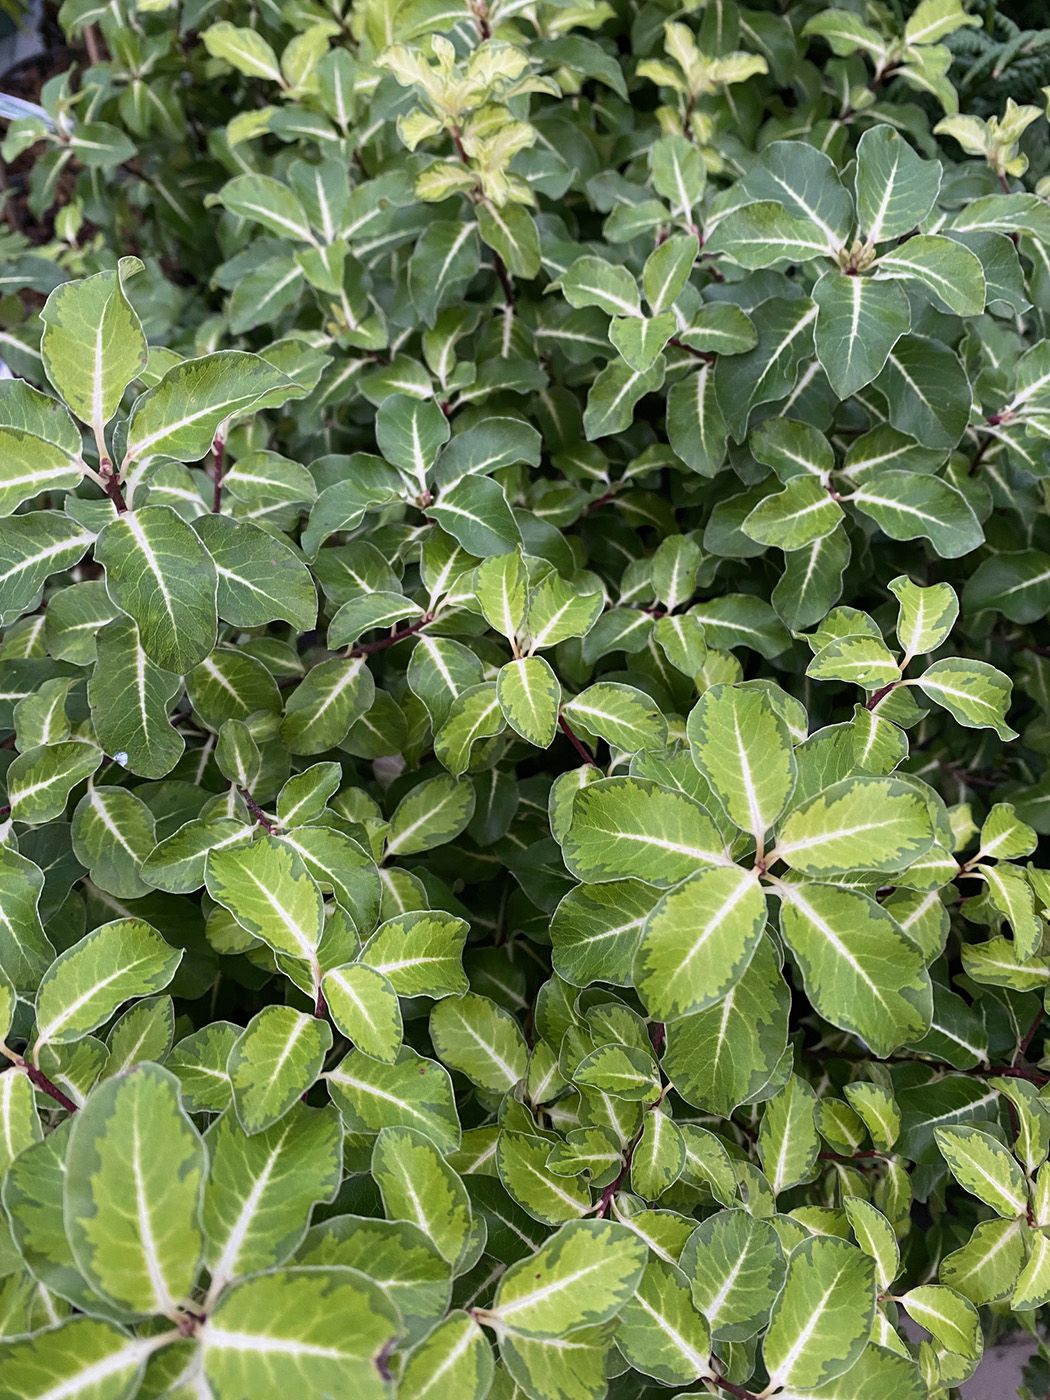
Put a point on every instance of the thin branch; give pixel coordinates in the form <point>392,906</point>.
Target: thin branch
<point>580,748</point>
<point>39,1079</point>
<point>1029,1036</point>
<point>369,648</point>
<point>257,812</point>
<point>218,463</point>
<point>605,1200</point>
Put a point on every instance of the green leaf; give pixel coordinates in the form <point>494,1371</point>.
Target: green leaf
<point>861,972</point>
<point>591,281</point>
<point>950,1318</point>
<point>434,812</point>
<point>93,344</point>
<point>974,693</point>
<point>660,1331</point>
<point>330,698</point>
<point>735,1266</point>
<point>765,233</point>
<point>25,951</point>
<point>131,699</point>
<point>787,1140</point>
<point>926,615</point>
<point>860,823</point>
<point>262,1188</point>
<point>982,1166</point>
<point>822,1319</point>
<point>134,1175</point>
<point>698,941</point>
<point>113,831</point>
<point>529,697</point>
<point>942,267</point>
<point>273,1064</point>
<point>475,512</point>
<point>630,827</point>
<point>455,1353</point>
<point>726,1056</point>
<point>75,1359</point>
<point>259,578</point>
<point>160,575</point>
<point>481,1040</point>
<point>413,1092</point>
<point>926,391</point>
<point>316,1332</point>
<point>364,1006</point>
<point>417,1184</point>
<point>895,188</point>
<point>410,433</point>
<point>859,321</point>
<point>795,517</point>
<point>742,747</point>
<point>268,890</point>
<point>180,416</point>
<point>40,780</point>
<point>621,715</point>
<point>581,1276</point>
<point>90,980</point>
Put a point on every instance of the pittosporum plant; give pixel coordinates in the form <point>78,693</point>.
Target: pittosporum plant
<point>524,552</point>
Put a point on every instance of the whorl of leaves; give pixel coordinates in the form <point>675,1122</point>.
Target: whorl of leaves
<point>522,574</point>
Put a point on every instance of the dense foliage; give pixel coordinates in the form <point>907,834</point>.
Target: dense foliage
<point>524,555</point>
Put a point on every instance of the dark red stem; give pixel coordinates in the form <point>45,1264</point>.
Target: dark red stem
<point>256,811</point>
<point>218,463</point>
<point>320,1005</point>
<point>114,490</point>
<point>41,1081</point>
<point>368,648</point>
<point>580,748</point>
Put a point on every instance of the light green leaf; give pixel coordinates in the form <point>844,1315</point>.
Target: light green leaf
<point>631,827</point>
<point>741,745</point>
<point>93,344</point>
<point>268,890</point>
<point>414,1092</point>
<point>765,233</point>
<point>181,415</point>
<point>85,984</point>
<point>660,1331</point>
<point>330,698</point>
<point>788,1143</point>
<point>624,717</point>
<point>40,780</point>
<point>974,693</point>
<point>134,1174</point>
<point>860,971</point>
<point>985,1168</point>
<point>261,1189</point>
<point>481,1040</point>
<point>821,1321</point>
<point>25,950</point>
<point>418,1185</point>
<point>529,697</point>
<point>952,1319</point>
<point>314,1333</point>
<point>867,823</point>
<point>274,1062</point>
<point>581,1276</point>
<point>793,518</point>
<point>160,575</point>
<point>941,266</point>
<point>735,1266</point>
<point>434,812</point>
<point>698,941</point>
<point>364,1006</point>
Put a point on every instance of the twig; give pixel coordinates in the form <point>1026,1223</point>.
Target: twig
<point>580,748</point>
<point>38,1078</point>
<point>257,812</point>
<point>218,455</point>
<point>605,1200</point>
<point>1029,1036</point>
<point>320,1005</point>
<point>369,648</point>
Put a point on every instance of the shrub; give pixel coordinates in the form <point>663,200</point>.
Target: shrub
<point>521,529</point>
